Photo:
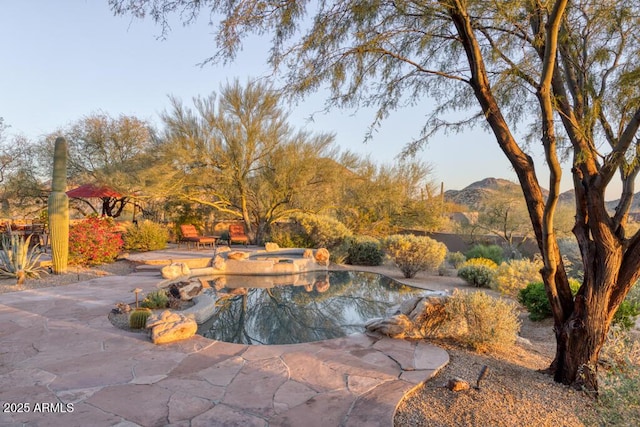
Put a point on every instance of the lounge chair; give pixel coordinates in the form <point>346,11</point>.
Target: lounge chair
<point>237,234</point>
<point>190,235</point>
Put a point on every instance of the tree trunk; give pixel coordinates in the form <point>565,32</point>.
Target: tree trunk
<point>579,341</point>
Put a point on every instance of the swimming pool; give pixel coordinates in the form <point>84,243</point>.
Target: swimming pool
<point>294,309</point>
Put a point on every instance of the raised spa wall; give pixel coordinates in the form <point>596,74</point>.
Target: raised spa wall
<point>255,263</point>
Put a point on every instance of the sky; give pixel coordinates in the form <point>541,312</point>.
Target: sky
<point>63,60</point>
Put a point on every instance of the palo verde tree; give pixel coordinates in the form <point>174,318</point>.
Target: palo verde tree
<point>570,65</point>
<point>237,154</point>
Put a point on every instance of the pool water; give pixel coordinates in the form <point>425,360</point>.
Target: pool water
<point>299,308</point>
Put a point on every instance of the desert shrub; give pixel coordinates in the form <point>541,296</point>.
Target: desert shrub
<point>493,252</point>
<point>456,259</point>
<point>625,315</point>
<point>94,241</point>
<point>364,250</point>
<point>318,231</point>
<point>478,272</point>
<point>145,236</point>
<point>618,398</point>
<point>514,275</point>
<point>482,322</point>
<point>412,254</point>
<point>534,298</point>
<point>284,237</point>
<point>156,299</point>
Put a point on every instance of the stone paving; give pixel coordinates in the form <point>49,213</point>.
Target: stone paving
<point>62,363</point>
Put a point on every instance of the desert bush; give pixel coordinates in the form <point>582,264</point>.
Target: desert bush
<point>94,241</point>
<point>478,272</point>
<point>156,299</point>
<point>284,237</point>
<point>482,322</point>
<point>493,252</point>
<point>626,314</point>
<point>145,236</point>
<point>318,231</point>
<point>412,254</point>
<point>456,259</point>
<point>364,250</point>
<point>514,275</point>
<point>534,298</point>
<point>618,398</point>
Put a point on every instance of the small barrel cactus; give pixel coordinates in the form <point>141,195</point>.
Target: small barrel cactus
<point>138,318</point>
<point>58,209</point>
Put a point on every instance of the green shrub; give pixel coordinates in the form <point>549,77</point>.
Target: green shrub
<point>145,236</point>
<point>364,250</point>
<point>283,237</point>
<point>318,231</point>
<point>482,322</point>
<point>412,254</point>
<point>478,272</point>
<point>625,315</point>
<point>514,275</point>
<point>94,241</point>
<point>534,298</point>
<point>456,259</point>
<point>493,252</point>
<point>156,299</point>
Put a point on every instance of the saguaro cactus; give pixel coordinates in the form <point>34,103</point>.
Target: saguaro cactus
<point>58,208</point>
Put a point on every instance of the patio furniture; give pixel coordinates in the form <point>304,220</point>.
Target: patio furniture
<point>237,234</point>
<point>190,235</point>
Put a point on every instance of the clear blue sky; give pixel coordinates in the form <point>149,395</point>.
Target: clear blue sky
<point>62,60</point>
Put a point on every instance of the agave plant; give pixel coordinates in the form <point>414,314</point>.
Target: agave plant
<point>17,259</point>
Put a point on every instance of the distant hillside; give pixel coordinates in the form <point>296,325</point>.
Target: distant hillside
<point>474,194</point>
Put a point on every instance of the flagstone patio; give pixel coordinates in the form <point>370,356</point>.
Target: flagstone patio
<point>58,348</point>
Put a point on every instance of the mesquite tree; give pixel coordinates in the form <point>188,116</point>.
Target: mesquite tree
<point>569,68</point>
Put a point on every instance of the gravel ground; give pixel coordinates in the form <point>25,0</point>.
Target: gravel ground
<point>74,275</point>
<point>513,393</point>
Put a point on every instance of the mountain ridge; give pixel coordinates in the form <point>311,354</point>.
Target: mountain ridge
<point>474,194</point>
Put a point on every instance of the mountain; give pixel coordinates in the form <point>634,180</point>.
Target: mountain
<point>475,193</point>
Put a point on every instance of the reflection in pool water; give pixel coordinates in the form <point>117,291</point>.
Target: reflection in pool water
<point>299,308</point>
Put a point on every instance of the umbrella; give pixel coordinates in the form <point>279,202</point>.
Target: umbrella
<point>89,190</point>
<point>109,197</point>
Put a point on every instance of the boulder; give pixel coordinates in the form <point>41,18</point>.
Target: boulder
<point>122,307</point>
<point>457,384</point>
<point>168,327</point>
<point>186,290</point>
<point>175,270</point>
<point>238,255</point>
<point>322,256</point>
<point>219,263</point>
<point>308,253</point>
<point>398,326</point>
<point>271,246</point>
